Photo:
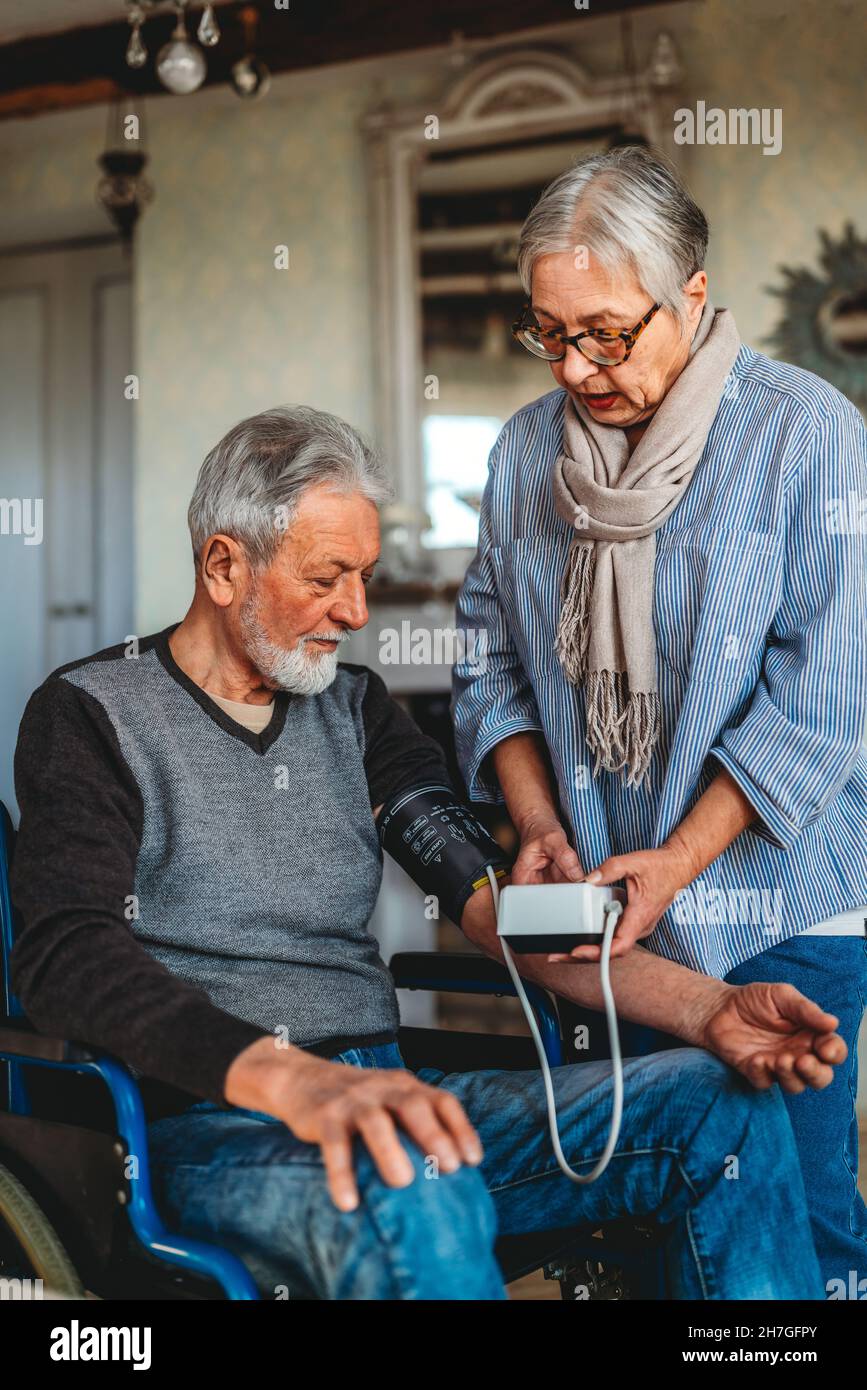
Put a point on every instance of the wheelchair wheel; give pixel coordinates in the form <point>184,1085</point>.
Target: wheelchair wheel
<point>29,1245</point>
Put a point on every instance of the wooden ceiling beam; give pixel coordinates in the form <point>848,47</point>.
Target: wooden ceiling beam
<point>87,65</point>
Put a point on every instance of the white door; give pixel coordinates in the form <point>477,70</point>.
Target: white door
<point>66,562</point>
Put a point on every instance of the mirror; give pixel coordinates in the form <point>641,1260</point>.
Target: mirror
<point>824,322</point>
<point>450,188</point>
<point>470,208</point>
<point>844,323</point>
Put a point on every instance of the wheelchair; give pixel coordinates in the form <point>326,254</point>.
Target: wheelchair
<point>77,1210</point>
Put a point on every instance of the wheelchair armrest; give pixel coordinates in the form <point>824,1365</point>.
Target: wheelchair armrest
<point>18,1038</point>
<point>458,971</point>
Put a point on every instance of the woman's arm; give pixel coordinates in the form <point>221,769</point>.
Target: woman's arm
<point>717,818</point>
<point>654,877</point>
<point>793,749</point>
<point>499,742</point>
<point>523,770</point>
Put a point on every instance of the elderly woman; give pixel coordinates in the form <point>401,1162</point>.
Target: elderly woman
<point>675,681</point>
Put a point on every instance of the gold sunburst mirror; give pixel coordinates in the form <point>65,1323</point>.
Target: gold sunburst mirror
<point>824,322</point>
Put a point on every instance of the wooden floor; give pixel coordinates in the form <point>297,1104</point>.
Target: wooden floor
<point>535,1286</point>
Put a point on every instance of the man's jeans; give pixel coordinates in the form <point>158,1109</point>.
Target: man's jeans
<point>698,1148</point>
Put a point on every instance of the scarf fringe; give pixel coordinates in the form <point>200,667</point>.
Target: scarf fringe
<point>622,727</point>
<point>573,629</point>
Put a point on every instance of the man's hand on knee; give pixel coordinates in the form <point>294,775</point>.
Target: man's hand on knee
<point>329,1103</point>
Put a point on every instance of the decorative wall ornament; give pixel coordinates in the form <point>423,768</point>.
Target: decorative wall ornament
<point>665,69</point>
<point>824,323</point>
<point>630,133</point>
<point>123,190</point>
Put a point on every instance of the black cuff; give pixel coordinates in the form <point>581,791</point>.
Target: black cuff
<point>440,844</point>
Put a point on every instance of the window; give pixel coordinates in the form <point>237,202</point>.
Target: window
<point>456,449</point>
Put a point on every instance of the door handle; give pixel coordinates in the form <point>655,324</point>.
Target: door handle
<point>70,610</point>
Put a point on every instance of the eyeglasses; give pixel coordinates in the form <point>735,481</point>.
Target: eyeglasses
<point>605,346</point>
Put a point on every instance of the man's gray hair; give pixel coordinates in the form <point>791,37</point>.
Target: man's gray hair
<point>250,484</point>
<point>628,207</point>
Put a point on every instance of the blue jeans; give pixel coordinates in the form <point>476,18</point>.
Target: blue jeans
<point>832,970</point>
<point>699,1148</point>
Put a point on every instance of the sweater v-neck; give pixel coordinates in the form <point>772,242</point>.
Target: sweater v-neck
<point>259,743</point>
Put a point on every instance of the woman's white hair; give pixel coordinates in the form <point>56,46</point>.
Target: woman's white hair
<point>628,207</point>
<point>250,484</point>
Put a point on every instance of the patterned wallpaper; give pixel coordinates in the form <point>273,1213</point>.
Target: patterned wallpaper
<point>764,210</point>
<point>221,333</point>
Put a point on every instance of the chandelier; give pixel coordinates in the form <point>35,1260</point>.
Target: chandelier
<point>180,63</point>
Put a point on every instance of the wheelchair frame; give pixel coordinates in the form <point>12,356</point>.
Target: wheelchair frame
<point>95,1162</point>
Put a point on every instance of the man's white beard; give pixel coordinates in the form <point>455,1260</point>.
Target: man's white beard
<point>302,670</point>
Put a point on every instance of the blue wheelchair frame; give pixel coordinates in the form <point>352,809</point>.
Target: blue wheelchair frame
<point>193,1256</point>
<point>18,1049</point>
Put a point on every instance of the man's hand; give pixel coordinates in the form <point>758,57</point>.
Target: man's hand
<point>328,1103</point>
<point>546,855</point>
<point>771,1032</point>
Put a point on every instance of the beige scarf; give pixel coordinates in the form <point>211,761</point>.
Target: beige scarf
<point>615,502</point>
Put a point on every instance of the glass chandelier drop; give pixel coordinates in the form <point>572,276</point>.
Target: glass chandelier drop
<point>250,77</point>
<point>180,63</point>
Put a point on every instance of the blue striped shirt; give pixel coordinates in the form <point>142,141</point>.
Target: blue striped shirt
<point>760,616</point>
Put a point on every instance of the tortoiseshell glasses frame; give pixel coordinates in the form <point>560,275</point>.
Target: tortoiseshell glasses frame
<point>532,337</point>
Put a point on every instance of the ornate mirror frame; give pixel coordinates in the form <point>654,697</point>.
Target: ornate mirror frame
<point>517,96</point>
<point>805,333</point>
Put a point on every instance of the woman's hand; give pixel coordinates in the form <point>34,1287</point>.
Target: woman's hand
<point>653,877</point>
<point>546,855</point>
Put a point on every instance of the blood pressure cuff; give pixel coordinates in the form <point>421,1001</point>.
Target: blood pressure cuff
<point>440,844</point>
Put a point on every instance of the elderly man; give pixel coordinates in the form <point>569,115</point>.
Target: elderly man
<point>196,867</point>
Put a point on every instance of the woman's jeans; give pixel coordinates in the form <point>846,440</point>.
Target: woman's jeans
<point>699,1149</point>
<point>832,970</point>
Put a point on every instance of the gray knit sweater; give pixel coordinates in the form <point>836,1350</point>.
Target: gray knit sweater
<point>184,885</point>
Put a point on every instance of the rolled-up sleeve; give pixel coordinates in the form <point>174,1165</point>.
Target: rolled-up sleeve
<point>492,696</point>
<point>795,747</point>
